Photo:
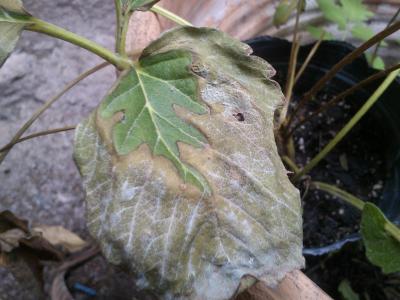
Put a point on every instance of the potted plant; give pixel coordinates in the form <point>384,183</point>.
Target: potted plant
<point>175,145</point>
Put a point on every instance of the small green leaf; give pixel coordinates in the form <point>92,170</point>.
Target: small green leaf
<point>364,33</point>
<point>378,62</point>
<point>147,95</point>
<point>12,22</point>
<point>355,10</point>
<point>333,12</point>
<point>283,12</point>
<point>316,33</point>
<point>382,248</point>
<point>346,291</point>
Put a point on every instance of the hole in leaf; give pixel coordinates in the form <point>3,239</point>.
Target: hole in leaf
<point>239,117</point>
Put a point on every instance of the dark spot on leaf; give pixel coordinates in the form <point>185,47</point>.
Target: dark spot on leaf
<point>239,117</point>
<point>7,171</point>
<point>199,70</point>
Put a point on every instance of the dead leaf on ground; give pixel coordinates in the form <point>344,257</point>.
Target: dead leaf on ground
<point>21,252</point>
<point>59,236</point>
<point>9,240</point>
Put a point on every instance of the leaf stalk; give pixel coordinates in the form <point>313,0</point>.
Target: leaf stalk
<point>60,33</point>
<point>170,15</point>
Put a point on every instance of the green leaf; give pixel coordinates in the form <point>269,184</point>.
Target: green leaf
<point>147,95</point>
<point>333,12</point>
<point>283,12</point>
<point>355,10</point>
<point>213,105</point>
<point>346,291</point>
<point>378,62</point>
<point>316,32</point>
<point>364,33</point>
<point>12,22</point>
<point>382,248</point>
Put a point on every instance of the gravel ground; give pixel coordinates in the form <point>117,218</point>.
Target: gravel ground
<point>38,179</point>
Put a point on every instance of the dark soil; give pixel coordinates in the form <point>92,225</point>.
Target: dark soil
<point>350,263</point>
<point>355,165</point>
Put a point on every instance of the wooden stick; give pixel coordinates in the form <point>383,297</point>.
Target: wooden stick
<point>295,286</point>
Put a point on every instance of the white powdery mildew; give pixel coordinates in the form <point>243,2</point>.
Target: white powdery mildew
<point>183,244</point>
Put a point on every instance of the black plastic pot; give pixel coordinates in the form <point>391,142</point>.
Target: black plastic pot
<point>385,113</point>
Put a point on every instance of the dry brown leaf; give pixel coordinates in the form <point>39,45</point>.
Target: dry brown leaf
<point>21,252</point>
<point>10,239</point>
<point>59,236</point>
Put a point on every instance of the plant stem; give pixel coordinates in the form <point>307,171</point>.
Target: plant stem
<point>389,227</point>
<point>37,134</point>
<point>170,15</point>
<point>58,32</point>
<point>290,82</point>
<point>41,110</point>
<point>292,68</point>
<point>374,54</point>
<point>290,163</point>
<point>122,37</point>
<point>344,94</point>
<point>118,15</point>
<point>354,120</point>
<point>309,57</point>
<point>393,230</point>
<point>335,191</point>
<point>344,61</point>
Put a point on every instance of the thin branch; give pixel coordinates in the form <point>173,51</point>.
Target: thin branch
<point>309,57</point>
<point>394,17</point>
<point>170,15</point>
<point>118,15</point>
<point>389,227</point>
<point>52,30</point>
<point>290,163</point>
<point>291,68</point>
<point>122,37</point>
<point>344,94</point>
<point>37,134</point>
<point>354,120</point>
<point>393,230</point>
<point>343,62</point>
<point>335,191</point>
<point>42,109</point>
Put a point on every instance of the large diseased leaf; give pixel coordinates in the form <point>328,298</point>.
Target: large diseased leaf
<point>12,22</point>
<point>382,248</point>
<point>212,104</point>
